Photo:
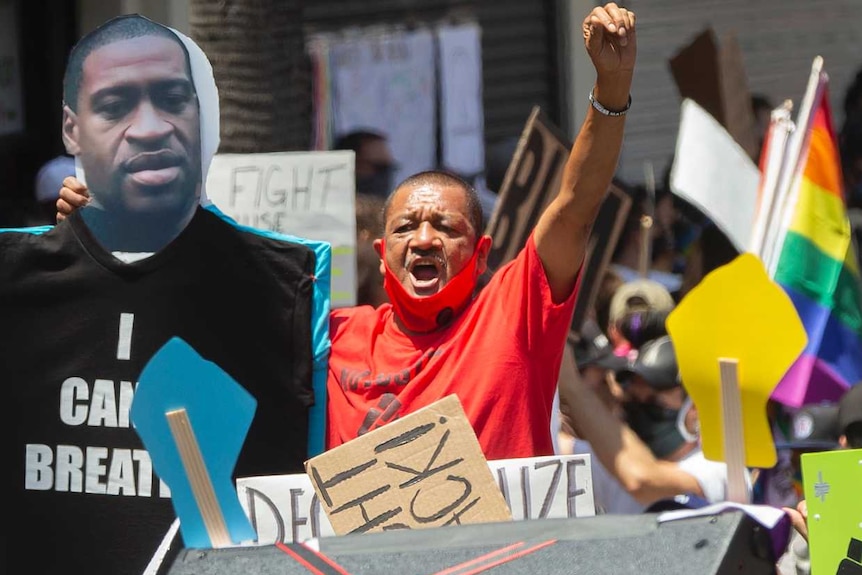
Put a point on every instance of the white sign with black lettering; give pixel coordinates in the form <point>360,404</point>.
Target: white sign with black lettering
<point>305,194</point>
<point>285,508</point>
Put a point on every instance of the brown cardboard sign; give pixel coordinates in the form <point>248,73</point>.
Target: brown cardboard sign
<point>423,470</point>
<point>713,75</point>
<point>600,249</point>
<point>695,69</point>
<point>739,119</point>
<point>531,182</point>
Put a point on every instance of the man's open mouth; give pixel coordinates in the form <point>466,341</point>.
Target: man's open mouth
<point>425,274</point>
<point>154,168</point>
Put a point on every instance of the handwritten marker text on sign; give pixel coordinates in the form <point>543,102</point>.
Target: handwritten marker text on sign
<point>424,470</point>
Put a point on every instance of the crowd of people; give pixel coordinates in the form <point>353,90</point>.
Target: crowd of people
<point>139,239</point>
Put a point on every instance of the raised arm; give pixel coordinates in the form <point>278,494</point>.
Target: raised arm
<point>620,450</point>
<point>563,230</point>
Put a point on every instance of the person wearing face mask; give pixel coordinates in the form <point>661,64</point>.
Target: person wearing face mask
<point>374,164</point>
<point>653,451</point>
<point>659,412</point>
<point>499,350</point>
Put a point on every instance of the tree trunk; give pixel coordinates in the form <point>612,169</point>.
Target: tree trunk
<point>256,50</point>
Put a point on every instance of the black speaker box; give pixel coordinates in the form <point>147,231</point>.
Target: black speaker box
<point>723,544</point>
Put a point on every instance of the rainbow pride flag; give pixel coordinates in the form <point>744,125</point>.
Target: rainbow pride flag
<point>816,265</point>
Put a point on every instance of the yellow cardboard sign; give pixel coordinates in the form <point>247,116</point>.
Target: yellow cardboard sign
<point>736,312</point>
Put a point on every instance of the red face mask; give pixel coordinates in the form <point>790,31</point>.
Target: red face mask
<point>424,314</point>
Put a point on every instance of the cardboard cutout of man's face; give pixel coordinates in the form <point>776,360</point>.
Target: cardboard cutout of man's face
<point>137,130</point>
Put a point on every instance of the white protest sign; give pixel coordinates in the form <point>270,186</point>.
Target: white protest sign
<point>305,194</point>
<point>285,508</point>
<point>546,487</point>
<point>385,82</point>
<point>712,172</point>
<point>461,117</point>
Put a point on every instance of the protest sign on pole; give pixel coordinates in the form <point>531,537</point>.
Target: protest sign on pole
<point>712,172</point>
<point>713,75</point>
<point>194,434</point>
<point>305,194</point>
<point>735,334</point>
<point>831,481</point>
<point>531,182</point>
<point>603,241</point>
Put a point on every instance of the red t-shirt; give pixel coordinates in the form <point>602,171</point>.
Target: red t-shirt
<point>501,356</point>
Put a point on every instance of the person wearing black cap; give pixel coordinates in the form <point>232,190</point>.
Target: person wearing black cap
<point>595,360</point>
<point>661,414</point>
<point>656,397</point>
<point>813,428</point>
<point>849,419</point>
<point>657,455</point>
<point>846,420</point>
<point>591,361</point>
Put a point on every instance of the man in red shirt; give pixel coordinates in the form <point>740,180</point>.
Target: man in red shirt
<point>500,351</point>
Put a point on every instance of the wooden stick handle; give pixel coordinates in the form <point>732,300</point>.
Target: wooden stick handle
<point>645,255</point>
<point>199,478</point>
<point>734,439</point>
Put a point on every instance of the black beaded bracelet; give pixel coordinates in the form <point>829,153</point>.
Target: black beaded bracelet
<point>602,110</point>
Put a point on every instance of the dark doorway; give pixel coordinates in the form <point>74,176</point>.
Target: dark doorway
<point>46,31</point>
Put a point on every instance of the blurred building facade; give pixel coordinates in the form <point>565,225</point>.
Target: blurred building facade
<point>531,55</point>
